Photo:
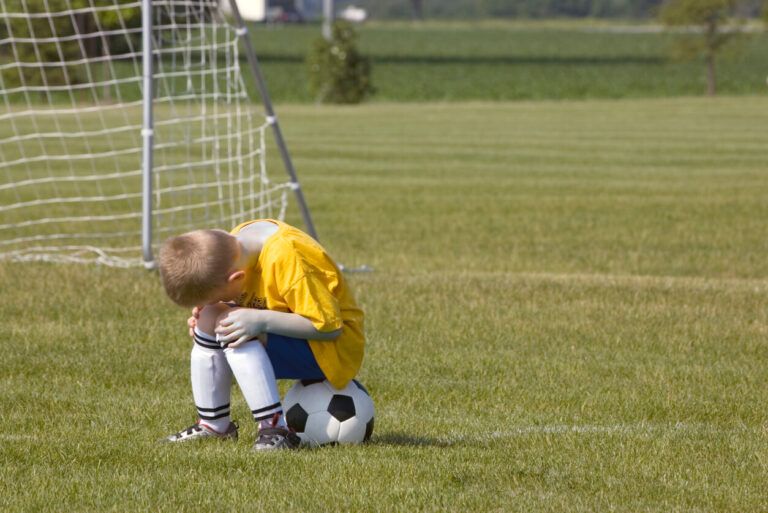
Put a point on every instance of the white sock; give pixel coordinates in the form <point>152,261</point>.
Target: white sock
<point>256,377</point>
<point>211,382</point>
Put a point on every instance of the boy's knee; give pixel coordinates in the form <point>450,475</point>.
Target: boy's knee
<point>210,316</point>
<point>223,313</point>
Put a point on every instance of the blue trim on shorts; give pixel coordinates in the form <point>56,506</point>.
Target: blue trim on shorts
<point>292,358</point>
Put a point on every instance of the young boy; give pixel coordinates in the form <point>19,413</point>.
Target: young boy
<point>269,304</point>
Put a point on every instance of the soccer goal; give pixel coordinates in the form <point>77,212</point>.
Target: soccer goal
<point>126,121</point>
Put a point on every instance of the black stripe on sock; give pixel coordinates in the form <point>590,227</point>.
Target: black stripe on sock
<point>208,345</point>
<point>268,416</point>
<point>270,407</point>
<point>206,338</point>
<point>213,417</point>
<point>212,409</point>
<point>225,345</point>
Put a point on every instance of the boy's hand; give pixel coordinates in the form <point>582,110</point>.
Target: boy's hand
<point>192,321</point>
<point>241,325</point>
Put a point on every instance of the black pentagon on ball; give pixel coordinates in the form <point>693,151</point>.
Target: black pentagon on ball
<point>342,407</point>
<point>296,417</point>
<point>368,431</point>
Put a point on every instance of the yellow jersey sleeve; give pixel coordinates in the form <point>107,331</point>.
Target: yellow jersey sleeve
<point>294,274</point>
<point>311,297</point>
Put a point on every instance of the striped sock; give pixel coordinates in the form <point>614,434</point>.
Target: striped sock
<point>211,382</point>
<point>276,420</point>
<point>256,377</point>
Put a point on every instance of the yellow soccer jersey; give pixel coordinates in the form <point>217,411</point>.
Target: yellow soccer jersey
<point>294,274</point>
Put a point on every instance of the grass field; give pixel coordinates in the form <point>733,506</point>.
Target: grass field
<point>568,313</point>
<point>516,60</point>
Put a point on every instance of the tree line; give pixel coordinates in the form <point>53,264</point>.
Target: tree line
<point>480,9</point>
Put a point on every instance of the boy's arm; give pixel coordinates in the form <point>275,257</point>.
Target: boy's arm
<point>243,324</point>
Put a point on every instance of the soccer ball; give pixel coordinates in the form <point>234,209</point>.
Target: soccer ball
<point>321,414</point>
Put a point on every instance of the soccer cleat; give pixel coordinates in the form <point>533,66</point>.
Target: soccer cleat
<point>274,438</point>
<point>199,431</point>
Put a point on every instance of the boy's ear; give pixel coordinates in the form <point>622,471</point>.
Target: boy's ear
<point>237,275</point>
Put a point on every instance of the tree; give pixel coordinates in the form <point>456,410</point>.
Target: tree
<point>57,41</point>
<point>710,17</point>
<point>337,71</point>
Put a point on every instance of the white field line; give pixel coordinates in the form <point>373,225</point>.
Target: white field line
<point>688,282</point>
<point>641,429</point>
<point>19,438</point>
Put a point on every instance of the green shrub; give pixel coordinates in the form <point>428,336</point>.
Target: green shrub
<point>337,71</point>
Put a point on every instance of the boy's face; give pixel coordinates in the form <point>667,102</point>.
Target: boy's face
<point>223,293</point>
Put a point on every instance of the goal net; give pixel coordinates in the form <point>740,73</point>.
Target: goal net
<point>71,129</point>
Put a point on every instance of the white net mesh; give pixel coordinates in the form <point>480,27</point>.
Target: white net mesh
<point>70,129</point>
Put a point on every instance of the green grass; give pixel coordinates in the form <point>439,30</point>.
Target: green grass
<point>567,314</point>
<point>513,61</point>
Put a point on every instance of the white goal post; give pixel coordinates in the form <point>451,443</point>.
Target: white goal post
<point>123,122</point>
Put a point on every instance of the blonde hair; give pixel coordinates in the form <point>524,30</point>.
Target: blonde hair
<point>194,264</point>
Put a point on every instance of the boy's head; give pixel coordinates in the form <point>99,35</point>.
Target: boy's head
<point>199,267</point>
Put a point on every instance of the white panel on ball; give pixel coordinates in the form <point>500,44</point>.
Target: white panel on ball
<point>315,397</point>
<point>363,406</point>
<point>321,429</point>
<point>351,431</point>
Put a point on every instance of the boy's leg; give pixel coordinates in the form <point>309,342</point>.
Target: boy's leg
<point>211,374</point>
<point>211,382</point>
<point>252,369</point>
<point>255,376</point>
